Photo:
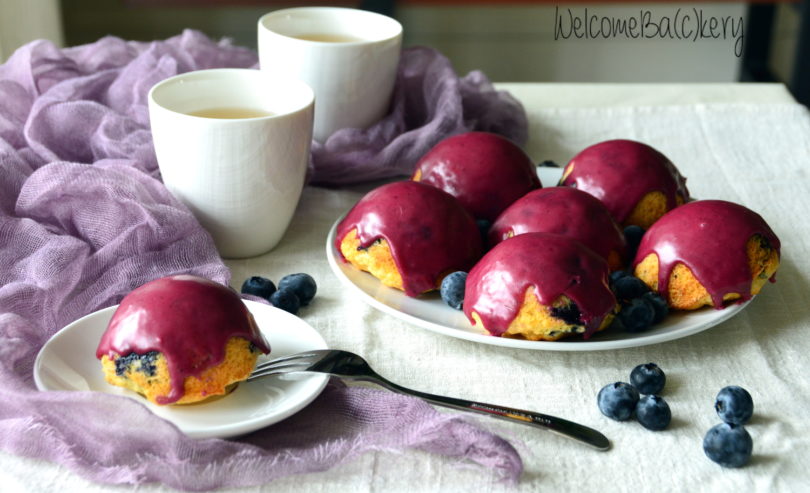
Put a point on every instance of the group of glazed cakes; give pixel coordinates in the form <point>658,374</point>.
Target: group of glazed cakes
<point>540,271</point>
<point>539,268</point>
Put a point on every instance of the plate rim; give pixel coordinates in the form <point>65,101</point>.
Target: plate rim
<point>220,431</point>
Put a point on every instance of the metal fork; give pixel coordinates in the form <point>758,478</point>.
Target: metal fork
<point>350,366</point>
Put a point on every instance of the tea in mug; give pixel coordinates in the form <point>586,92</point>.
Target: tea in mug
<point>232,113</point>
<point>328,38</point>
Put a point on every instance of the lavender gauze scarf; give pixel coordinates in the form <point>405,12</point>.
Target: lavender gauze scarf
<point>84,219</point>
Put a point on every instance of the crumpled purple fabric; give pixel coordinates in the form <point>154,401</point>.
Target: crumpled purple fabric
<point>84,219</point>
<point>430,103</point>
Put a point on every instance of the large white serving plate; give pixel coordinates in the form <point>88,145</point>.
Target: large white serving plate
<point>68,362</point>
<point>431,313</point>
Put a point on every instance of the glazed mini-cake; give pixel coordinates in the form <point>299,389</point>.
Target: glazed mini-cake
<point>636,182</point>
<point>484,171</point>
<point>409,235</point>
<point>179,340</point>
<point>708,252</point>
<point>568,212</point>
<point>539,286</point>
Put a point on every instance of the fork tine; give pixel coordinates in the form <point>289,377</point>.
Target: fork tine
<point>285,364</point>
<point>300,358</point>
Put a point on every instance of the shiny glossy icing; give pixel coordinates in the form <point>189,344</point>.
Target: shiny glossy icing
<point>710,238</point>
<point>621,172</point>
<point>554,265</point>
<point>484,171</point>
<point>565,211</point>
<point>428,232</point>
<point>187,318</point>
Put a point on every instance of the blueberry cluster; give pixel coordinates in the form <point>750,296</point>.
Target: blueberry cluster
<point>621,400</point>
<point>293,292</point>
<point>145,363</point>
<point>640,308</point>
<point>729,443</point>
<point>452,289</point>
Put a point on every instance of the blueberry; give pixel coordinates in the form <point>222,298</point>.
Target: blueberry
<point>616,325</point>
<point>617,400</point>
<point>659,304</point>
<point>632,235</point>
<point>259,286</point>
<point>653,412</point>
<point>548,163</point>
<point>303,285</point>
<point>734,405</point>
<point>483,229</point>
<point>637,315</point>
<point>122,363</point>
<point>452,289</point>
<point>616,275</point>
<point>287,300</point>
<point>729,445</point>
<point>569,313</point>
<point>629,287</point>
<point>147,363</point>
<point>648,378</point>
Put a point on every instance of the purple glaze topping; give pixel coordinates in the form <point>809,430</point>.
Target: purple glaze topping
<point>710,238</point>
<point>554,265</point>
<point>565,211</point>
<point>187,318</point>
<point>621,172</point>
<point>484,171</point>
<point>428,231</point>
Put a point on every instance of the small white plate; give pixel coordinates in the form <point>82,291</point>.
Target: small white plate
<point>431,313</point>
<point>68,362</point>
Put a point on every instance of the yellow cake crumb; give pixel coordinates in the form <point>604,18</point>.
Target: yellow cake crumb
<point>535,321</point>
<point>240,359</point>
<point>376,259</point>
<point>649,209</point>
<point>687,293</point>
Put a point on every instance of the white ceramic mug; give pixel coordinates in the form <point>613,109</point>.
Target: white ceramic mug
<point>351,64</point>
<point>241,175</point>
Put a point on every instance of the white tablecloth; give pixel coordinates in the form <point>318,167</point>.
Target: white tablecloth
<point>755,153</point>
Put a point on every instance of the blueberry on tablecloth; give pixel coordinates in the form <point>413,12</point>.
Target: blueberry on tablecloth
<point>653,412</point>
<point>286,300</point>
<point>734,405</point>
<point>648,378</point>
<point>729,445</point>
<point>258,286</point>
<point>618,400</point>
<point>303,285</point>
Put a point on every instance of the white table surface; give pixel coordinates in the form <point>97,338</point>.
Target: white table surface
<point>760,349</point>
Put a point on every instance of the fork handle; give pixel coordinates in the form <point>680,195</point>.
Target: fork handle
<point>560,426</point>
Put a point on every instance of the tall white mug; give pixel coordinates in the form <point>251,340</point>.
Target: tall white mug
<point>233,145</point>
<point>349,57</point>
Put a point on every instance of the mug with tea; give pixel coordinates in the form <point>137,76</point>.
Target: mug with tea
<point>233,145</point>
<point>349,57</point>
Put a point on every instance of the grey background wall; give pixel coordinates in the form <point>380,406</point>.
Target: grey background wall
<point>508,42</point>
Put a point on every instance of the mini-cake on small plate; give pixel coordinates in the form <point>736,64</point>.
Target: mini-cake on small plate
<point>68,362</point>
<point>431,313</point>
